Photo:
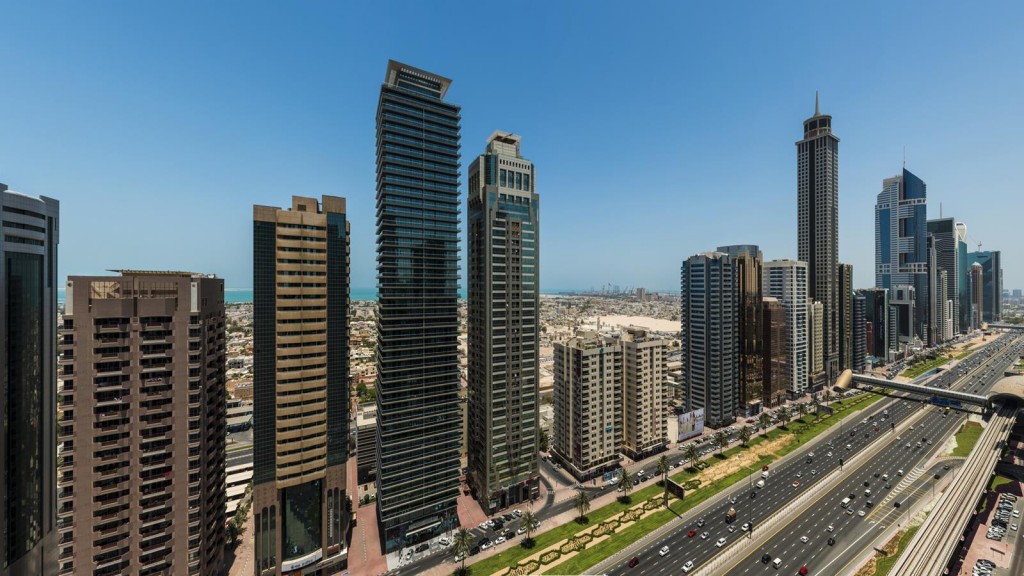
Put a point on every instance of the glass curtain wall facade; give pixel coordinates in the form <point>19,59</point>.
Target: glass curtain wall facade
<point>419,416</point>
<point>992,284</point>
<point>947,254</point>
<point>748,260</point>
<point>503,325</point>
<point>710,341</point>
<point>859,334</point>
<point>776,362</point>
<point>963,274</point>
<point>845,316</point>
<point>28,399</point>
<point>818,225</point>
<point>300,386</point>
<point>901,252</point>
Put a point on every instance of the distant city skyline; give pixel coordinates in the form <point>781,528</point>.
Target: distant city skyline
<point>102,110</point>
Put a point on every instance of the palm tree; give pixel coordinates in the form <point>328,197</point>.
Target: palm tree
<point>691,454</point>
<point>801,408</point>
<point>663,470</point>
<point>626,484</point>
<point>720,441</point>
<point>783,414</point>
<point>462,542</point>
<point>744,435</point>
<point>582,505</point>
<point>765,421</point>
<point>529,519</point>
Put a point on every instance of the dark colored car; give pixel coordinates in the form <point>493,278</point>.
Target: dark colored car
<point>474,550</point>
<point>423,547</point>
<point>634,561</point>
<point>766,558</point>
<point>831,541</point>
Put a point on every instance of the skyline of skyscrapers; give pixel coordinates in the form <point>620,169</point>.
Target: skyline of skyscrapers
<point>144,357</point>
<point>28,363</point>
<point>503,325</point>
<point>419,416</point>
<point>300,385</point>
<point>818,226</point>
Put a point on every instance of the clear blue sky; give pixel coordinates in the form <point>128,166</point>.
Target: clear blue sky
<point>659,129</point>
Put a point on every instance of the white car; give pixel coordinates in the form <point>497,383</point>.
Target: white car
<point>830,528</point>
<point>444,542</point>
<point>521,530</point>
<point>457,559</point>
<point>663,551</point>
<point>861,513</point>
<point>1016,513</point>
<point>484,525</point>
<point>720,543</point>
<point>485,545</point>
<point>499,540</point>
<point>688,566</point>
<point>804,539</point>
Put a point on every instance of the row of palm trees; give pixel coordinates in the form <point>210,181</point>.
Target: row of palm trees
<point>462,541</point>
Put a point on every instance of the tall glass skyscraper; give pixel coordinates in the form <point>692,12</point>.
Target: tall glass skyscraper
<point>947,245</point>
<point>419,419</point>
<point>503,325</point>
<point>992,288</point>
<point>818,225</point>
<point>747,259</point>
<point>710,341</point>
<point>28,398</point>
<point>901,244</point>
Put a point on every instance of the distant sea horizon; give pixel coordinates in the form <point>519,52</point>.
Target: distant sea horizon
<point>243,295</point>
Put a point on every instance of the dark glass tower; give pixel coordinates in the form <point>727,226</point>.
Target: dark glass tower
<point>503,325</point>
<point>28,386</point>
<point>818,225</point>
<point>419,421</point>
<point>748,261</point>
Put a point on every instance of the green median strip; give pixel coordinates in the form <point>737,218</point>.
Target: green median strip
<point>588,557</point>
<point>966,438</point>
<point>885,564</point>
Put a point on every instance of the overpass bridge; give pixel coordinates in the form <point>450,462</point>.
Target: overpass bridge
<point>849,380</point>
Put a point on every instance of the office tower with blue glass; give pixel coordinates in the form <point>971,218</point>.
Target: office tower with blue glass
<point>503,325</point>
<point>300,387</point>
<point>992,284</point>
<point>28,399</point>
<point>710,340</point>
<point>818,226</point>
<point>845,316</point>
<point>419,416</point>
<point>901,247</point>
<point>786,281</point>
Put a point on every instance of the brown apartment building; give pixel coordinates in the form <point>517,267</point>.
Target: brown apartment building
<point>141,431</point>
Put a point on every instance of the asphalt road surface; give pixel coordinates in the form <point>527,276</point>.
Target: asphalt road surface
<point>786,481</point>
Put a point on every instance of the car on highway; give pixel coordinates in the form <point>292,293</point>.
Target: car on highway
<point>804,539</point>
<point>830,528</point>
<point>663,551</point>
<point>688,566</point>
<point>745,527</point>
<point>691,533</point>
<point>861,513</point>
<point>704,535</point>
<point>634,561</point>
<point>766,558</point>
<point>720,543</point>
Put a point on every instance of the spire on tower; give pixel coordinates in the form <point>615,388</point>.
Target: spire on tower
<point>817,111</point>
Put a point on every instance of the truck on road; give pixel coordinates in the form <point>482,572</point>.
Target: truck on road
<point>730,515</point>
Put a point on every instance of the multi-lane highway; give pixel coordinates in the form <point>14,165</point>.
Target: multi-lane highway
<point>793,476</point>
